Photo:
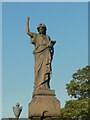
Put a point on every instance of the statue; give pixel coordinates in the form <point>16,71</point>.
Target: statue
<point>43,54</point>
<point>44,104</point>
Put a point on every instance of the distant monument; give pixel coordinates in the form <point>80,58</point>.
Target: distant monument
<point>44,104</point>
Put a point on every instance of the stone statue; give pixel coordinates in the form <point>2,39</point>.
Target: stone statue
<point>44,104</point>
<point>43,54</point>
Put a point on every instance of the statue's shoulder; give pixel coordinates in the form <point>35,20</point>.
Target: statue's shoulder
<point>36,35</point>
<point>33,40</point>
<point>48,37</point>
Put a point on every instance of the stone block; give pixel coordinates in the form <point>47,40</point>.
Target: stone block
<point>45,106</point>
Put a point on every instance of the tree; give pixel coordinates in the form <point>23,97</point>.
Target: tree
<point>75,109</point>
<point>78,88</point>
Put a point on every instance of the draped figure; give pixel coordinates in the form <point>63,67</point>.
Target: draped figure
<point>43,55</point>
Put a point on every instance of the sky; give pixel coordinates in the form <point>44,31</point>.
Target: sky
<point>88,34</point>
<point>45,0</point>
<point>0,60</point>
<point>67,23</point>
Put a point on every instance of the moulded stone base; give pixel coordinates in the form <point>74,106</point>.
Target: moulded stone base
<point>46,118</point>
<point>34,118</point>
<point>44,106</point>
<point>43,92</point>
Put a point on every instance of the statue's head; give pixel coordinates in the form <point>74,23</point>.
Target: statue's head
<point>41,29</point>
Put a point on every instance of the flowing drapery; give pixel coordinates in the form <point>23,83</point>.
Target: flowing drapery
<point>43,57</point>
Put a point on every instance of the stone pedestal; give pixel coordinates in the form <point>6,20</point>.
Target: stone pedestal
<point>44,106</point>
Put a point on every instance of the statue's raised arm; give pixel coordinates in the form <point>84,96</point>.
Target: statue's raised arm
<point>31,34</point>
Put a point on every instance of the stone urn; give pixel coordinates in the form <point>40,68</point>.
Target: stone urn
<point>17,110</point>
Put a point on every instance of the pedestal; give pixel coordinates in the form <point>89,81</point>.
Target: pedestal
<point>44,106</point>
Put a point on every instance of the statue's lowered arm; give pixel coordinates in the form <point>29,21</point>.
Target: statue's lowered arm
<point>31,34</point>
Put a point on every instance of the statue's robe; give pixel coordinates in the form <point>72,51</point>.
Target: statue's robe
<point>43,54</point>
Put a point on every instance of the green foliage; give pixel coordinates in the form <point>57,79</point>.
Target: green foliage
<point>75,109</point>
<point>79,86</point>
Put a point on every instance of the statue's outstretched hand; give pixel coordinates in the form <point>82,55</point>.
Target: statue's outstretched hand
<point>28,18</point>
<point>27,24</point>
<point>31,34</point>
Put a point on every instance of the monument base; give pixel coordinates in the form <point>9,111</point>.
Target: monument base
<point>45,118</point>
<point>44,106</point>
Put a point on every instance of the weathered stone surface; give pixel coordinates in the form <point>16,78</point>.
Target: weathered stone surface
<point>34,118</point>
<point>46,118</point>
<point>43,54</point>
<point>44,106</point>
<point>44,92</point>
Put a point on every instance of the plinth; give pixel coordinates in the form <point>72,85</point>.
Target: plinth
<point>44,106</point>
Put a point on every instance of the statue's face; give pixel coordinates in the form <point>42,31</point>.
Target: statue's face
<point>42,30</point>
